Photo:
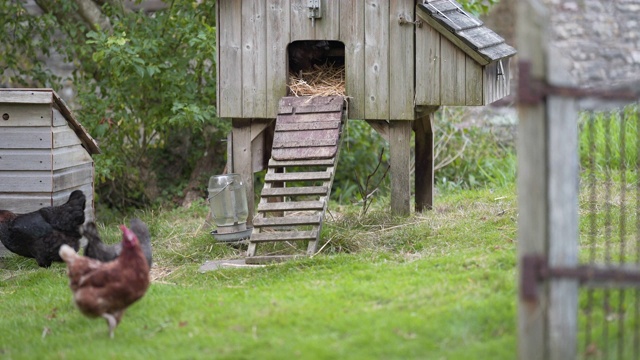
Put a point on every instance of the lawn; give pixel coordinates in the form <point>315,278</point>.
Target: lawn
<point>437,285</point>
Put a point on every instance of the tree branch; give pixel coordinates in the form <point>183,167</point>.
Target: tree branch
<point>93,16</point>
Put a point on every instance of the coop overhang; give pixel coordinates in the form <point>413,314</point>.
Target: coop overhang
<point>465,31</point>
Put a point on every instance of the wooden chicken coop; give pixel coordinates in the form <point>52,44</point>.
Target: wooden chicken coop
<point>402,60</point>
<point>45,153</point>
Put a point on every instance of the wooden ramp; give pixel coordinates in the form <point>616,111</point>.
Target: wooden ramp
<point>299,175</point>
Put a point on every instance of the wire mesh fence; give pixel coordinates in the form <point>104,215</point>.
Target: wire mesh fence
<point>609,320</point>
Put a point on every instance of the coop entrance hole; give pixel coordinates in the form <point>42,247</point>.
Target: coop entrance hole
<point>305,55</point>
<point>316,68</point>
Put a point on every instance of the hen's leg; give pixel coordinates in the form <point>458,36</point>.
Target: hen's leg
<point>118,316</point>
<point>111,320</point>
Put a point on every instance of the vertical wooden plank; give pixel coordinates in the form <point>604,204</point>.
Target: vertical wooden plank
<point>474,77</point>
<point>489,83</point>
<point>229,68</point>
<point>278,19</point>
<point>506,64</point>
<point>328,28</point>
<point>352,35</point>
<point>452,74</point>
<point>254,59</point>
<point>400,162</point>
<point>424,164</point>
<point>427,66</point>
<point>532,185</point>
<point>563,167</point>
<point>401,61</point>
<point>499,84</point>
<point>301,28</point>
<point>503,82</point>
<point>242,164</point>
<point>532,222</point>
<point>376,39</point>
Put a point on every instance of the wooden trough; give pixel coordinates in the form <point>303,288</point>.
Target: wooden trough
<point>45,153</point>
<point>403,60</point>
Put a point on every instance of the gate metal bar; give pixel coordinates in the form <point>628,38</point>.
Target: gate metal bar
<point>535,269</point>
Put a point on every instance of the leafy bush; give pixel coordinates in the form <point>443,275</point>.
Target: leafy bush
<point>469,155</point>
<point>358,159</point>
<point>152,108</point>
<point>474,155</point>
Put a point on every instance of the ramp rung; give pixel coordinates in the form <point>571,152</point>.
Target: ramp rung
<point>305,126</point>
<point>299,176</point>
<point>284,144</point>
<point>300,163</point>
<point>284,236</point>
<point>291,206</point>
<point>294,191</point>
<point>286,221</point>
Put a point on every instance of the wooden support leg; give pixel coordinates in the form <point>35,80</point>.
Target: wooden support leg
<point>424,161</point>
<point>242,164</point>
<point>400,161</point>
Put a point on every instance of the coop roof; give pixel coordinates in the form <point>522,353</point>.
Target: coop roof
<point>48,96</point>
<point>465,30</point>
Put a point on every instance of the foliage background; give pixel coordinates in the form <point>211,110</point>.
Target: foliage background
<point>144,87</point>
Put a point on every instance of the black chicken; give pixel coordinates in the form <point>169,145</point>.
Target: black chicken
<point>40,234</point>
<point>98,250</point>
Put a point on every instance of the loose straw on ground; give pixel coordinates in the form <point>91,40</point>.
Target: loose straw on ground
<point>324,80</point>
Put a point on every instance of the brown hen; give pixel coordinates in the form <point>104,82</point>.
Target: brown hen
<point>106,289</point>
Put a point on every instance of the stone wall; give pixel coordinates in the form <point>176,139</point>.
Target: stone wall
<point>596,41</point>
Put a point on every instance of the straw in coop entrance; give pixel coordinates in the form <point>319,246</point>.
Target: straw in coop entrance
<point>323,80</point>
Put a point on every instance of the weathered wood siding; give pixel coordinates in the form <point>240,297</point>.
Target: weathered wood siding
<point>496,86</point>
<point>229,62</point>
<point>42,159</point>
<point>252,58</point>
<point>352,21</point>
<point>445,75</point>
<point>278,37</point>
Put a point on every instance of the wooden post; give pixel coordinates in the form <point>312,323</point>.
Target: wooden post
<point>562,117</point>
<point>400,161</point>
<point>424,161</point>
<point>547,197</point>
<point>242,161</point>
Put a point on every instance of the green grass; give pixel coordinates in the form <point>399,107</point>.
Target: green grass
<point>438,285</point>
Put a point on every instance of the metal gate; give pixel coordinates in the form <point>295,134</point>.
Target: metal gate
<point>608,270</point>
<point>579,210</point>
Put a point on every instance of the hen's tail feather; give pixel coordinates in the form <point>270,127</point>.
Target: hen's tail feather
<point>67,253</point>
<point>142,232</point>
<point>95,248</point>
<point>90,231</point>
